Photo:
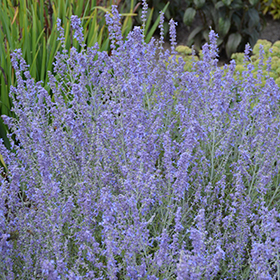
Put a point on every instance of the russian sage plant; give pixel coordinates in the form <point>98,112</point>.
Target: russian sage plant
<point>136,169</point>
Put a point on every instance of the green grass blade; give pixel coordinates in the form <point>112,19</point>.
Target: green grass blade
<point>105,45</point>
<point>34,45</point>
<point>33,65</point>
<point>149,19</point>
<point>5,23</point>
<point>3,163</point>
<point>79,8</point>
<point>155,25</point>
<point>52,55</point>
<point>43,66</point>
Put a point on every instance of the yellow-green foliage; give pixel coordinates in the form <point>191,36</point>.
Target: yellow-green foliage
<point>266,46</point>
<point>238,57</point>
<point>184,50</point>
<point>273,51</point>
<point>186,54</point>
<point>270,50</point>
<point>273,8</point>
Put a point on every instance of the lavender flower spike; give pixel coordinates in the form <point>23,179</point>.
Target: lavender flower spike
<point>161,41</point>
<point>144,15</point>
<point>76,25</point>
<point>60,29</point>
<point>173,43</point>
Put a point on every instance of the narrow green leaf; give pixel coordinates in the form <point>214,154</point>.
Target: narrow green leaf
<point>127,26</point>
<point>101,36</point>
<point>105,45</point>
<point>52,55</point>
<point>86,11</point>
<point>193,34</point>
<point>89,18</point>
<point>4,22</point>
<point>5,104</point>
<point>92,31</point>
<point>102,9</point>
<point>34,45</point>
<point>94,37</point>
<point>79,8</point>
<point>155,25</point>
<point>3,163</point>
<point>33,65</point>
<point>149,19</point>
<point>67,35</point>
<point>26,36</point>
<point>43,65</point>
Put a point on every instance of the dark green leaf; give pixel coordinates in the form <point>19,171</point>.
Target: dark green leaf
<point>224,26</point>
<point>167,14</point>
<point>215,17</point>
<point>205,34</point>
<point>219,41</point>
<point>165,28</point>
<point>199,3</point>
<point>227,2</point>
<point>236,4</point>
<point>189,16</point>
<point>233,42</point>
<point>219,5</point>
<point>254,36</point>
<point>197,42</point>
<point>194,33</point>
<point>252,17</point>
<point>236,20</point>
<point>254,2</point>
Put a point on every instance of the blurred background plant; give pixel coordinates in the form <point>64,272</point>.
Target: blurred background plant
<point>173,9</point>
<point>270,51</point>
<point>236,22</point>
<point>31,26</point>
<point>271,7</point>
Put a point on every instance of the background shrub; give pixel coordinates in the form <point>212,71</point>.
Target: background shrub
<point>272,7</point>
<point>236,22</point>
<point>270,53</point>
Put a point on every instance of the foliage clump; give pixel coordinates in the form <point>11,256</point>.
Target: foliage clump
<point>264,52</point>
<point>272,7</point>
<point>136,169</point>
<point>236,22</point>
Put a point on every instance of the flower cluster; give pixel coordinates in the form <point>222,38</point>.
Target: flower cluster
<point>136,169</point>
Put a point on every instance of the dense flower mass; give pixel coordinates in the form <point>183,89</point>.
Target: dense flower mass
<point>136,169</point>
